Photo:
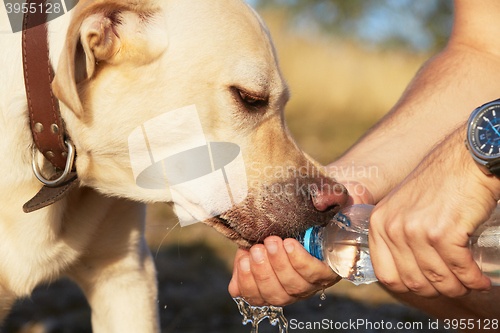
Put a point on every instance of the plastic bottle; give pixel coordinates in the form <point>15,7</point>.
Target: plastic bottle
<point>343,245</point>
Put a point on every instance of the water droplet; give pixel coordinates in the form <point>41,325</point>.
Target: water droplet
<point>323,296</point>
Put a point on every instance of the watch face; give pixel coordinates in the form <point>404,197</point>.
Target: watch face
<point>484,131</point>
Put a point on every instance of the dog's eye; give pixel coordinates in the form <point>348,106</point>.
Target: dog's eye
<point>250,99</point>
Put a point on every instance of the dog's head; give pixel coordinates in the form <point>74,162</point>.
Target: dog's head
<point>127,62</point>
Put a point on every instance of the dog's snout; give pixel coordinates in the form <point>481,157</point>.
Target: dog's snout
<point>327,194</point>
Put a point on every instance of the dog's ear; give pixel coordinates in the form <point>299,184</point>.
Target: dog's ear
<point>103,32</point>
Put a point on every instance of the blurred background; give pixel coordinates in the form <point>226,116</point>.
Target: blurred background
<point>346,62</point>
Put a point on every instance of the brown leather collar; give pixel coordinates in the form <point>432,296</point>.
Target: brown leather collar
<point>47,126</point>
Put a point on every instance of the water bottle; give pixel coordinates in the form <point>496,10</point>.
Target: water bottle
<point>343,245</point>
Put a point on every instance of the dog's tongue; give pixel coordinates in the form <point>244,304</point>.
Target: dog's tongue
<point>329,195</point>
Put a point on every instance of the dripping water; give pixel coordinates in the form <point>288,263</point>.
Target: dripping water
<point>255,314</point>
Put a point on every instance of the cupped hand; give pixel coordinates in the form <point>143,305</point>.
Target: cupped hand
<point>278,272</point>
<point>419,233</point>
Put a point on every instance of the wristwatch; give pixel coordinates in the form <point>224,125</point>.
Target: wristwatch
<point>483,137</point>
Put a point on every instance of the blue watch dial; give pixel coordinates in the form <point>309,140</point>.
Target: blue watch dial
<point>485,132</point>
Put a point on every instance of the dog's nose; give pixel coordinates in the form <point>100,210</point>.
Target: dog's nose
<point>327,194</point>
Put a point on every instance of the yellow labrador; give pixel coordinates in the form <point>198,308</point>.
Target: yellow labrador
<point>120,64</point>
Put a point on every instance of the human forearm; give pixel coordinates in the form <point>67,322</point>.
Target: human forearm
<point>441,96</point>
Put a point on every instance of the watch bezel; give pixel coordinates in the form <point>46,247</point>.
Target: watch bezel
<point>478,156</point>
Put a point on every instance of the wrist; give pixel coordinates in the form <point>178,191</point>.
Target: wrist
<point>489,182</point>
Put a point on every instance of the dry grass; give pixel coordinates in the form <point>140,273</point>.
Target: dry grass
<point>339,91</point>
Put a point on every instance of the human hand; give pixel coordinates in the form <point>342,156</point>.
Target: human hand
<point>278,272</point>
<point>281,272</point>
<point>419,232</point>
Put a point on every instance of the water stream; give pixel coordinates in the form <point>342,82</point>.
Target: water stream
<point>256,314</point>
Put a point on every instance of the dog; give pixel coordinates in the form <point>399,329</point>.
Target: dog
<point>119,64</point>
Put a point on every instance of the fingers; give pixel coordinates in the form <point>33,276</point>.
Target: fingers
<point>404,261</point>
<point>267,274</point>
<point>292,282</point>
<point>436,272</point>
<point>269,285</point>
<point>409,270</point>
<point>256,279</point>
<point>310,269</point>
<point>407,258</point>
<point>396,266</point>
<point>464,267</point>
<point>247,284</point>
<point>233,287</point>
<point>383,264</point>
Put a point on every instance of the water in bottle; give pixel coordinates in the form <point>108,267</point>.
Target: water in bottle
<point>343,245</point>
